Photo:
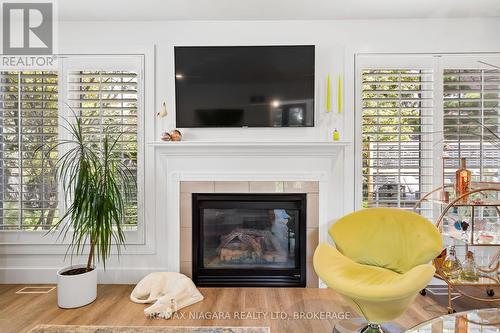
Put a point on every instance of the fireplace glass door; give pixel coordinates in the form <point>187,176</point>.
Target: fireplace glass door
<point>250,236</point>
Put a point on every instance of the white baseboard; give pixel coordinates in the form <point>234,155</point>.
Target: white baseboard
<point>110,276</point>
<point>124,275</point>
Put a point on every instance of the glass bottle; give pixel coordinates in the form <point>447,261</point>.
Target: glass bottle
<point>469,268</point>
<point>336,135</point>
<point>451,266</point>
<point>462,180</point>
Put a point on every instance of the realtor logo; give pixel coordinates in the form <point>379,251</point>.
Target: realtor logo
<point>28,28</point>
<point>29,32</point>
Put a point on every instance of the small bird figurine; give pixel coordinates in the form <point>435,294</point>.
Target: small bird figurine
<point>163,112</point>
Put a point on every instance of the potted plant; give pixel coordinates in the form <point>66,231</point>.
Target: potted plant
<point>96,185</point>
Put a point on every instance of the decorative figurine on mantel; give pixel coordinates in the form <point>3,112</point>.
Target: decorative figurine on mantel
<point>174,135</point>
<point>165,136</point>
<point>163,111</point>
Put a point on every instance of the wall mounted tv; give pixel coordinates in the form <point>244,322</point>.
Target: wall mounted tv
<point>244,86</point>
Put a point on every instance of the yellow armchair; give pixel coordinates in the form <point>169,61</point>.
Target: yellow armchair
<point>381,260</point>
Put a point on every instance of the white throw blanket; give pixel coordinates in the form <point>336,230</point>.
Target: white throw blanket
<point>169,291</point>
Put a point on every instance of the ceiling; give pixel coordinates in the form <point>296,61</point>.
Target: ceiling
<point>148,10</point>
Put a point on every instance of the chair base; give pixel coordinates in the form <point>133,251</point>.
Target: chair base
<point>359,325</point>
<point>372,328</point>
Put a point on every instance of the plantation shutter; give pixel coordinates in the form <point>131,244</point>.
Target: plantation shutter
<point>28,125</point>
<point>472,122</point>
<point>107,103</point>
<point>396,136</point>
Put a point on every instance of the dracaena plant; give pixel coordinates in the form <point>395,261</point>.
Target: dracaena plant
<point>96,185</point>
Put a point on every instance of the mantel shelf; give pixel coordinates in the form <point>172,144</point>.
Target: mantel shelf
<point>262,144</point>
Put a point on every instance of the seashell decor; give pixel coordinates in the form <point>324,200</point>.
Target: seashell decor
<point>173,135</point>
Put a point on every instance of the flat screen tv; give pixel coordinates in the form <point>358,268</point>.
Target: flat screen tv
<point>244,86</point>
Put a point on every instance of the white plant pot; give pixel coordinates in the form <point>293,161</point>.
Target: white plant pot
<point>74,291</point>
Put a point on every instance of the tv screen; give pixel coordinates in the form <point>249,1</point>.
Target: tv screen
<point>244,86</point>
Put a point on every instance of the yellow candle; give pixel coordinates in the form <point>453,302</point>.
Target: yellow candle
<point>339,93</point>
<point>328,93</point>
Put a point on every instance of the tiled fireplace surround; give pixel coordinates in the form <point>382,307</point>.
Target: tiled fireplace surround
<point>187,188</point>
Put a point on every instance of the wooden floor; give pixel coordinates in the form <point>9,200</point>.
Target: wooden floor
<point>19,313</point>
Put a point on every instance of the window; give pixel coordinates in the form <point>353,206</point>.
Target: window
<point>472,122</point>
<point>31,108</point>
<point>107,101</point>
<point>420,112</point>
<point>28,119</point>
<point>396,136</point>
<point>471,116</point>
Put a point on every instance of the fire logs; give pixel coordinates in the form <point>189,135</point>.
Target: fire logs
<point>251,244</point>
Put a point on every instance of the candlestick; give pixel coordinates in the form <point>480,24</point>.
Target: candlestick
<point>339,93</point>
<point>328,94</point>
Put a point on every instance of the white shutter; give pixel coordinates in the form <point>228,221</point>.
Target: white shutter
<point>28,120</point>
<point>396,136</point>
<point>107,102</point>
<point>472,122</point>
<point>107,97</point>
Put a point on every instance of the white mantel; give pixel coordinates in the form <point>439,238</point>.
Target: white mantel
<point>262,147</point>
<point>246,161</point>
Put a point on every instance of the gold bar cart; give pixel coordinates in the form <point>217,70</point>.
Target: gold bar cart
<point>490,273</point>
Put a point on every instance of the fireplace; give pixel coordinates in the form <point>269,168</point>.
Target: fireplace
<point>249,240</point>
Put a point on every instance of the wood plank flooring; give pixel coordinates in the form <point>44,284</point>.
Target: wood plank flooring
<point>19,313</point>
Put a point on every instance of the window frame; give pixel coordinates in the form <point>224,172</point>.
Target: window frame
<point>118,63</point>
<point>25,242</point>
<point>425,128</point>
<point>438,62</point>
<point>24,89</point>
<point>471,62</point>
<point>378,61</point>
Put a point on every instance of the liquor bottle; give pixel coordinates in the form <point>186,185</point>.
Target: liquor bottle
<point>451,266</point>
<point>469,268</point>
<point>462,180</point>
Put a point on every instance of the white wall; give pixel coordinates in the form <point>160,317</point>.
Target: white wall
<point>336,42</point>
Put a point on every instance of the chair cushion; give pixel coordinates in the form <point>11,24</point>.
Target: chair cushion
<point>365,282</point>
<point>390,238</point>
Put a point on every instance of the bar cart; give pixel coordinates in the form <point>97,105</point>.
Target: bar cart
<point>477,235</point>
